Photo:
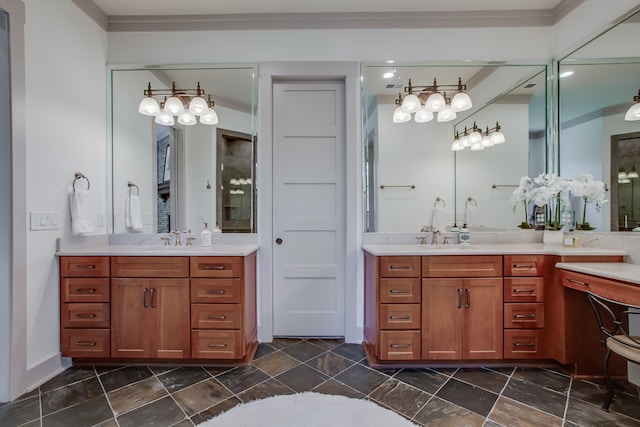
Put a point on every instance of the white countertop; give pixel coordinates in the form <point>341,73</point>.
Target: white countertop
<point>486,249</point>
<point>611,270</point>
<point>160,250</point>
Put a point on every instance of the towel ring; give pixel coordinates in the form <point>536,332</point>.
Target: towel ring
<point>78,176</point>
<point>439,200</point>
<point>471,202</point>
<point>131,185</point>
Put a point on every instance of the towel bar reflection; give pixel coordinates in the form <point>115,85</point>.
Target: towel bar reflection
<point>503,185</point>
<point>412,186</point>
<point>131,185</point>
<point>78,176</point>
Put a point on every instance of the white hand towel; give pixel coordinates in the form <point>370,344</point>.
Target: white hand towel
<point>81,222</point>
<point>439,219</point>
<point>471,215</point>
<point>132,215</point>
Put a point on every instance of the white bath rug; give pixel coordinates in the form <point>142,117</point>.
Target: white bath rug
<point>308,410</point>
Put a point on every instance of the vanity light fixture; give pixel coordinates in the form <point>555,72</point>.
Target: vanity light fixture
<point>433,98</point>
<point>621,174</point>
<point>478,139</point>
<point>633,113</point>
<point>186,104</point>
<point>633,174</point>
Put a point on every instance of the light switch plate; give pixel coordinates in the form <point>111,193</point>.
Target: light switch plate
<point>43,221</point>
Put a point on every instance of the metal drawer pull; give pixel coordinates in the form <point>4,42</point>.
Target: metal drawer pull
<point>153,302</point>
<point>215,291</point>
<point>522,291</point>
<point>208,316</point>
<point>468,304</point>
<point>524,266</point>
<point>459,297</point>
<point>577,282</point>
<point>85,291</point>
<point>83,266</point>
<point>213,267</point>
<point>214,345</point>
<point>400,267</point>
<point>524,316</point>
<point>407,317</point>
<point>85,316</point>
<point>524,344</point>
<point>86,343</point>
<point>400,346</point>
<point>144,297</point>
<point>399,291</point>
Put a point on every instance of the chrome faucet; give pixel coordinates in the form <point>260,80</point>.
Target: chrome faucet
<point>177,234</point>
<point>434,236</point>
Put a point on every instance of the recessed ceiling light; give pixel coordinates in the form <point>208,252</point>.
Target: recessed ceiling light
<point>388,74</point>
<point>566,74</point>
<point>391,61</point>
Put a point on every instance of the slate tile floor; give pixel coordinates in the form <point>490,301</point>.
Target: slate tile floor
<point>166,396</point>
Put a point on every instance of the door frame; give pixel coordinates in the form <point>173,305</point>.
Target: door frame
<point>354,265</point>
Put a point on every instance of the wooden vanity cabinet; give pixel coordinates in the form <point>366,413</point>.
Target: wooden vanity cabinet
<point>524,307</point>
<point>150,307</point>
<point>462,307</point>
<point>85,307</point>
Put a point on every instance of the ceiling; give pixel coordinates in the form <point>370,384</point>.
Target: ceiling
<point>202,7</point>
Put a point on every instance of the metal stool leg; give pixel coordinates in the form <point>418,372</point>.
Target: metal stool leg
<point>609,398</point>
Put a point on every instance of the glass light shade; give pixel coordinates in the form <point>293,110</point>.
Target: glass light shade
<point>622,174</point>
<point>187,119</point>
<point>633,113</point>
<point>474,137</point>
<point>477,147</point>
<point>410,103</point>
<point>198,106</point>
<point>633,174</point>
<point>149,106</point>
<point>457,146</point>
<point>465,141</point>
<point>423,115</point>
<point>624,181</point>
<point>400,116</point>
<point>461,102</point>
<point>497,138</point>
<point>211,118</point>
<point>486,141</point>
<point>446,115</point>
<point>165,119</point>
<point>174,106</point>
<point>435,102</point>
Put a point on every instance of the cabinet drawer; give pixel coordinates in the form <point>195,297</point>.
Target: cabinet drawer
<point>400,290</point>
<point>84,266</point>
<point>399,316</point>
<point>216,290</point>
<point>85,342</point>
<point>399,345</point>
<point>221,266</point>
<point>524,344</point>
<point>523,289</point>
<point>400,266</point>
<point>612,289</point>
<point>86,289</point>
<point>150,266</point>
<point>462,266</point>
<point>216,316</point>
<point>208,344</point>
<point>85,315</point>
<point>523,265</point>
<point>524,315</point>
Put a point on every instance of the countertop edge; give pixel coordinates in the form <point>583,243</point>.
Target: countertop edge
<point>624,272</point>
<point>488,249</point>
<point>135,250</point>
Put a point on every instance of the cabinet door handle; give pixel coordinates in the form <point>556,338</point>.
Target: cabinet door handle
<point>524,344</point>
<point>210,317</point>
<point>153,302</point>
<point>84,266</point>
<point>459,297</point>
<point>144,297</point>
<point>86,343</point>
<point>400,346</point>
<point>400,267</point>
<point>85,316</point>
<point>406,317</point>
<point>214,345</point>
<point>524,316</point>
<point>85,291</point>
<point>524,265</point>
<point>577,282</point>
<point>524,291</point>
<point>213,267</point>
<point>399,291</point>
<point>468,304</point>
<point>214,291</point>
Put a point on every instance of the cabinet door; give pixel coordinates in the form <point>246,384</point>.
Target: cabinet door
<point>483,331</point>
<point>442,319</point>
<point>129,318</point>
<point>169,318</point>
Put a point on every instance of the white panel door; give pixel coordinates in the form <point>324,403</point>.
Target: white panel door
<point>308,209</point>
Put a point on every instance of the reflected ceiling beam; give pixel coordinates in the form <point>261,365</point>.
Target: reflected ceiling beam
<point>602,112</point>
<point>93,11</point>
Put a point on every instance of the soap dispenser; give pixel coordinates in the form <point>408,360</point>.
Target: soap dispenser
<point>465,235</point>
<point>205,236</point>
<point>455,233</point>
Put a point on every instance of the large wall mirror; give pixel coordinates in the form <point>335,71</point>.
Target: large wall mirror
<point>410,168</point>
<point>183,176</point>
<point>597,84</point>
